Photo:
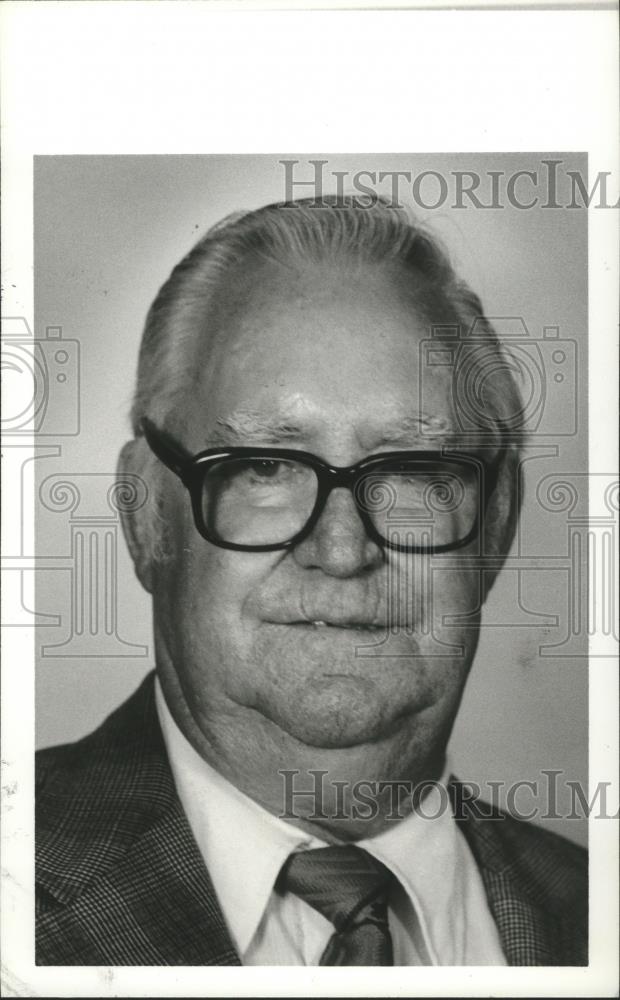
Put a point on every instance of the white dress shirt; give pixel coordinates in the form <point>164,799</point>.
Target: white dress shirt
<point>438,916</point>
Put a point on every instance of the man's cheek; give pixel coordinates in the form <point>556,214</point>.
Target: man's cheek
<point>453,593</point>
<point>227,579</point>
<point>425,593</point>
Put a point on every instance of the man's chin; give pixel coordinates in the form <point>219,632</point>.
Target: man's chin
<point>346,712</point>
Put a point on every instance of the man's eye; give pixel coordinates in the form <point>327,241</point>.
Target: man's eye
<point>263,471</point>
<point>264,468</point>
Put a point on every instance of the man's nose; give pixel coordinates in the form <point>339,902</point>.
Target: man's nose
<point>339,544</point>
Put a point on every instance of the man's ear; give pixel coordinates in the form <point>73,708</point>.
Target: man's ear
<point>136,517</point>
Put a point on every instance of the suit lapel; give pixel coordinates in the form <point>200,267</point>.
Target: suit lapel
<point>534,927</point>
<point>527,933</point>
<point>157,906</point>
<point>119,857</point>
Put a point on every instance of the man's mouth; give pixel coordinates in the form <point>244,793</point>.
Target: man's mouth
<point>318,624</point>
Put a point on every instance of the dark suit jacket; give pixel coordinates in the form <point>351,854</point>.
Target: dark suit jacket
<point>120,879</point>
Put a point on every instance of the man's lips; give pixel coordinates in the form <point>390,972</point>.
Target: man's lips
<point>327,623</point>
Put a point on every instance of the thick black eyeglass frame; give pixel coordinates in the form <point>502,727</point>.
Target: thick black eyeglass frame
<point>191,470</point>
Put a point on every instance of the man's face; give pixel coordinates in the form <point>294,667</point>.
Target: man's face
<point>328,363</point>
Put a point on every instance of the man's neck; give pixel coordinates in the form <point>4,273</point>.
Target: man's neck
<point>335,794</point>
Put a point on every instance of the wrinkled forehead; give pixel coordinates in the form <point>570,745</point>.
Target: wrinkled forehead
<point>299,352</point>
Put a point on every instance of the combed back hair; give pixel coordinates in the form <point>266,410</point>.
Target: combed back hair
<point>338,230</point>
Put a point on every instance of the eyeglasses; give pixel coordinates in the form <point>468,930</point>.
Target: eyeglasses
<point>265,499</point>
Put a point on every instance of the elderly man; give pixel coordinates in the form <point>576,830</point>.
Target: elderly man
<point>318,510</point>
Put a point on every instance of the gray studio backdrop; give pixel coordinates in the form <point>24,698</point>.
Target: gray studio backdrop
<point>108,229</point>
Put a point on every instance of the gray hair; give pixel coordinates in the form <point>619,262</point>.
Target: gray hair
<point>349,231</point>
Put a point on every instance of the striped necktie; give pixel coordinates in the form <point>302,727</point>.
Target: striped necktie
<point>349,887</point>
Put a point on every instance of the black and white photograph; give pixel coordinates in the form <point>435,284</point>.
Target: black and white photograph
<point>312,556</point>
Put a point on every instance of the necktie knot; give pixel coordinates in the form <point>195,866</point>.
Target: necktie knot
<point>349,887</point>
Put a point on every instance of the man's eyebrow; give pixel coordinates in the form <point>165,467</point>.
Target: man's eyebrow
<point>246,427</point>
<point>414,429</point>
<point>251,427</point>
<point>425,431</point>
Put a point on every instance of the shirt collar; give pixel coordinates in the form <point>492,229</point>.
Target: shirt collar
<point>426,853</point>
<point>244,847</point>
